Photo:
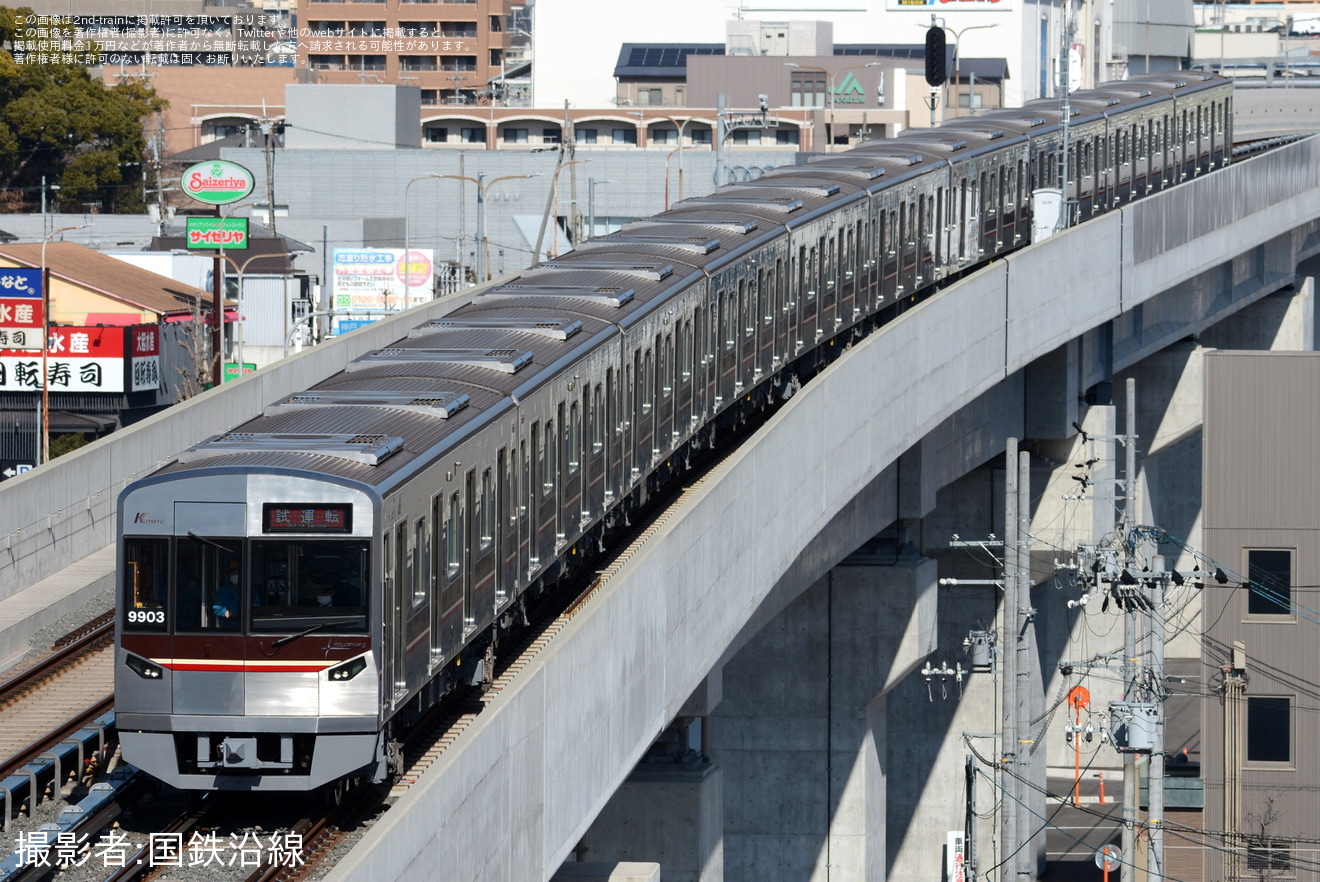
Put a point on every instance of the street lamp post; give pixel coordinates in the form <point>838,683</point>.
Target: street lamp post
<point>407,230</point>
<point>591,205</point>
<point>45,344</point>
<point>679,150</point>
<point>483,187</point>
<point>550,201</point>
<point>218,293</point>
<point>680,125</point>
<point>241,321</point>
<point>829,125</point>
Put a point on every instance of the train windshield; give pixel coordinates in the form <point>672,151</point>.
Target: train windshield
<point>266,586</point>
<point>299,585</point>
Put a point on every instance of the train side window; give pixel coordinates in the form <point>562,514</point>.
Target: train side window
<point>421,563</point>
<point>146,584</point>
<point>454,537</point>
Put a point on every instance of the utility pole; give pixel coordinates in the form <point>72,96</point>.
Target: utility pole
<point>1235,685</point>
<point>1131,517</point>
<point>1026,649</point>
<point>1008,840</point>
<point>719,140</point>
<point>1155,807</point>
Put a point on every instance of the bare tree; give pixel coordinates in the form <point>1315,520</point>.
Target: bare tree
<point>1269,854</point>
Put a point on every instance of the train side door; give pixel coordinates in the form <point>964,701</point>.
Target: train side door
<point>447,606</point>
<point>664,381</point>
<point>395,546</point>
<point>470,618</point>
<point>765,317</point>
<point>506,526</point>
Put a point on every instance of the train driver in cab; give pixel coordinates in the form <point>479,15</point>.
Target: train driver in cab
<point>225,604</point>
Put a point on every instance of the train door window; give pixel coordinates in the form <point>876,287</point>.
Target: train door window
<point>551,474</point>
<point>685,350</point>
<point>667,367</point>
<point>747,294</point>
<point>813,262</point>
<point>146,584</point>
<point>830,258</point>
<point>545,458</point>
<point>403,559</point>
<point>510,494</point>
<point>597,420</point>
<point>573,438</point>
<point>729,311</point>
<point>524,496</point>
<point>611,405</point>
<point>451,556</point>
<point>763,311</point>
<point>699,339</point>
<point>421,563</point>
<point>438,540</point>
<point>484,516</point>
<point>646,383</point>
<point>454,543</point>
<point>209,576</point>
<point>742,304</point>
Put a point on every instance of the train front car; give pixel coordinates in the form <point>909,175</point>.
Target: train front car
<point>245,635</point>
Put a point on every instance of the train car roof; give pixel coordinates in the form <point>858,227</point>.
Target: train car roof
<point>952,143</point>
<point>900,159</point>
<point>993,131</point>
<point>1183,82</point>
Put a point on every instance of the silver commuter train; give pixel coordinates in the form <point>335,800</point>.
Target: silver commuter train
<point>291,591</point>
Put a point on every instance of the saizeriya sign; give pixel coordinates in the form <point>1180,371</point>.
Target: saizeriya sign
<point>217,182</point>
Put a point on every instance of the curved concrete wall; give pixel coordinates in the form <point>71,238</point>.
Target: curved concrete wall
<point>514,793</point>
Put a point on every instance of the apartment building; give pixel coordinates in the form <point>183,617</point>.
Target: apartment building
<point>458,52</point>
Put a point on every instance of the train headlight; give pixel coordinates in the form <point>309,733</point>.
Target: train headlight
<point>143,668</point>
<point>348,670</point>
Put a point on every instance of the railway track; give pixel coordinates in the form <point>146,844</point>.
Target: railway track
<point>58,695</point>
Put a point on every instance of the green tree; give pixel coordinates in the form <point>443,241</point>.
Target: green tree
<point>57,121</point>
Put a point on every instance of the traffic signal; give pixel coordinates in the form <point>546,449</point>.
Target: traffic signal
<point>935,52</point>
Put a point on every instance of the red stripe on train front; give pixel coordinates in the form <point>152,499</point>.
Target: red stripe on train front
<point>253,667</point>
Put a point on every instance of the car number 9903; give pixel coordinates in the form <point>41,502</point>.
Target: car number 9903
<point>146,616</point>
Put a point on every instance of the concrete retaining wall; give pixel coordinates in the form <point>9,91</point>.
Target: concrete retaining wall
<point>518,789</point>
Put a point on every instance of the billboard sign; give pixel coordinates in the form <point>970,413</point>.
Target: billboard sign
<point>230,233</point>
<point>144,357</point>
<point>379,280</point>
<point>102,359</point>
<point>949,5</point>
<point>217,182</point>
<point>20,308</point>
